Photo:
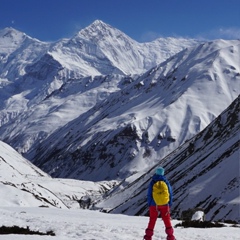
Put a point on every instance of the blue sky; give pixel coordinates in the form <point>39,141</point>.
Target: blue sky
<point>142,20</point>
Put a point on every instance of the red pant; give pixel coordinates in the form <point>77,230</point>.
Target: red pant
<point>165,215</point>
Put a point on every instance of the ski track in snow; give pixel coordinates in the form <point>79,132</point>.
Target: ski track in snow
<point>93,225</point>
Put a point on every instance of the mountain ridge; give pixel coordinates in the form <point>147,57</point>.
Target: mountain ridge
<point>152,128</point>
<point>62,48</point>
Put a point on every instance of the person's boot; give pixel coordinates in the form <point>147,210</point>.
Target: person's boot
<point>148,234</point>
<point>169,232</point>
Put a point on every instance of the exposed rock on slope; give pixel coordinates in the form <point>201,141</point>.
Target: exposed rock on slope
<point>204,172</point>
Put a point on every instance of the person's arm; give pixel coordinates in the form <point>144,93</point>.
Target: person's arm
<point>149,194</point>
<point>170,193</point>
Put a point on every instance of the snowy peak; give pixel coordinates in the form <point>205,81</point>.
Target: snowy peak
<point>99,30</point>
<point>11,33</point>
<point>10,40</point>
<point>96,27</point>
<point>99,23</point>
<point>107,43</point>
<point>125,54</point>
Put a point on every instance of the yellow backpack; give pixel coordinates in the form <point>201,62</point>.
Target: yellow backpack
<point>160,193</point>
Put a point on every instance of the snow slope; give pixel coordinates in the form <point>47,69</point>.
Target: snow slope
<point>88,225</point>
<point>23,184</point>
<point>203,172</point>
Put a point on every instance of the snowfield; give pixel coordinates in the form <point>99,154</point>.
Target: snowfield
<point>92,225</point>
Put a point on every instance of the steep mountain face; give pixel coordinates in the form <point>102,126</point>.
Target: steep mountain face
<point>131,129</point>
<point>204,172</point>
<point>23,184</point>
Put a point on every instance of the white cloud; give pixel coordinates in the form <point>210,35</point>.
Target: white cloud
<point>222,33</point>
<point>231,33</point>
<point>149,36</point>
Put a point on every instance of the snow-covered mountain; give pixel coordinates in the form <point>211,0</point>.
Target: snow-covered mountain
<point>30,71</point>
<point>100,106</point>
<point>99,49</point>
<point>204,172</point>
<point>142,120</point>
<point>23,184</point>
<point>109,50</point>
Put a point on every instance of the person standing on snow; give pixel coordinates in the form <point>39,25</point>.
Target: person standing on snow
<point>159,201</point>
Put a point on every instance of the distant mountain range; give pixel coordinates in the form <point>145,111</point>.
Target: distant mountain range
<point>98,49</point>
<point>102,107</point>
